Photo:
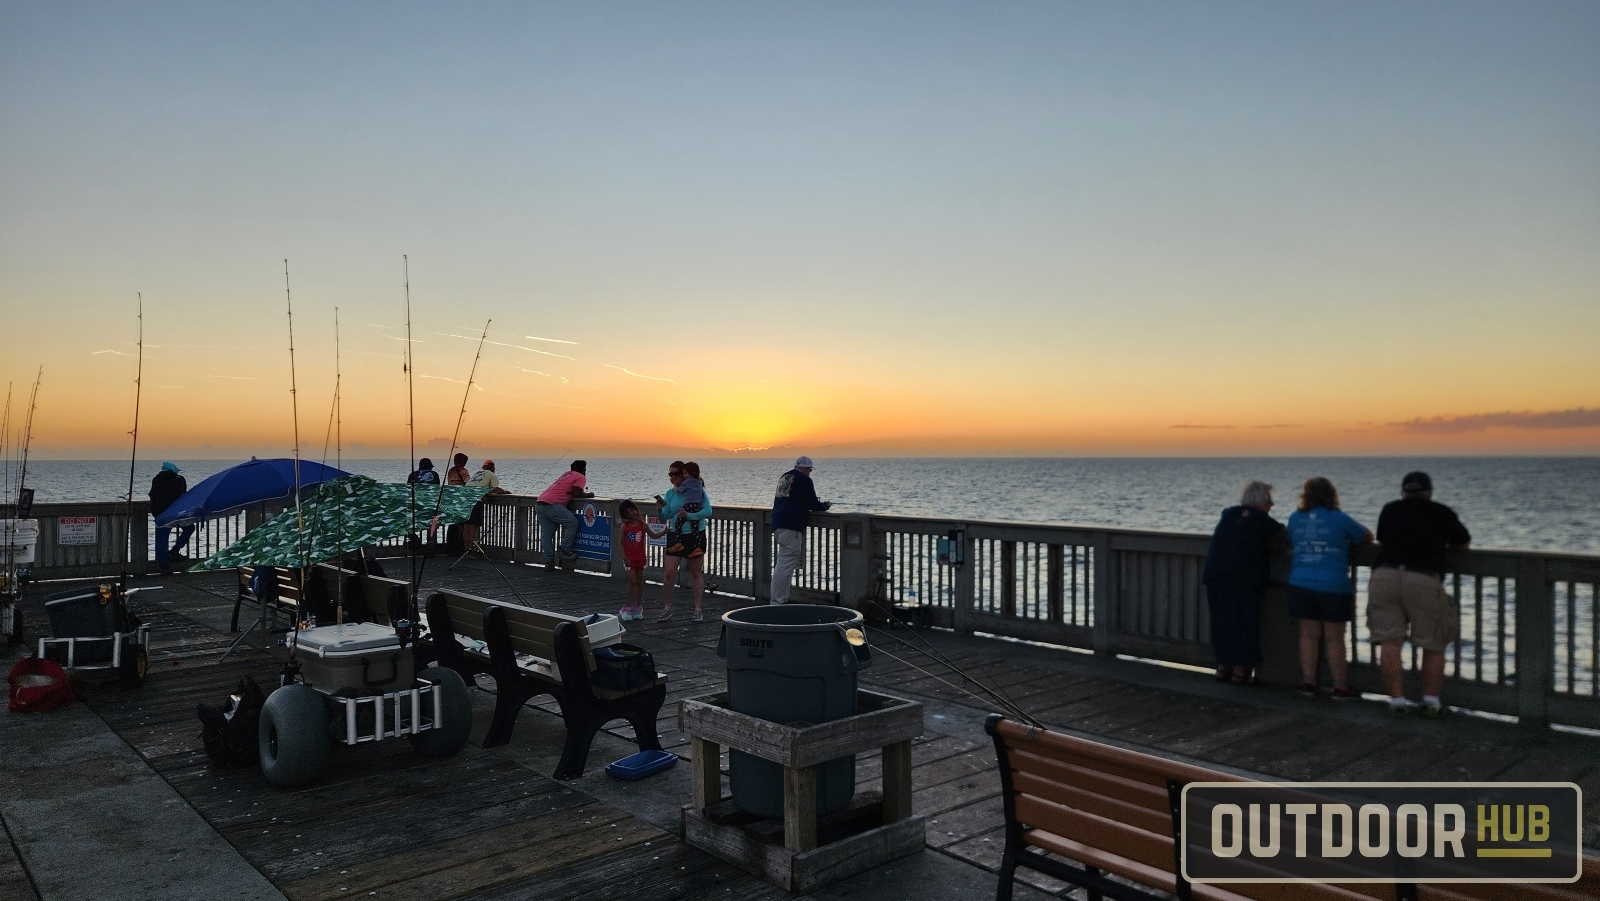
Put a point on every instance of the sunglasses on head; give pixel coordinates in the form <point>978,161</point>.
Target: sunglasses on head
<point>674,474</point>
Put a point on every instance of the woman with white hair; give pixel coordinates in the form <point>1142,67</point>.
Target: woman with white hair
<point>1236,579</point>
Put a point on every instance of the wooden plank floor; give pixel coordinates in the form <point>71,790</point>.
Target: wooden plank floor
<point>481,825</point>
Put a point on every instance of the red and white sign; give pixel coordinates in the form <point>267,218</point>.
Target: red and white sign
<point>75,530</point>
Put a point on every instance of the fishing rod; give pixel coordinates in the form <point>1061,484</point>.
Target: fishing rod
<point>411,431</point>
<point>133,456</point>
<point>5,447</point>
<point>335,415</point>
<point>461,416</point>
<point>294,405</point>
<point>27,434</point>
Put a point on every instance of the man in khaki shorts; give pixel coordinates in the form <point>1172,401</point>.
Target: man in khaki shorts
<point>1405,598</point>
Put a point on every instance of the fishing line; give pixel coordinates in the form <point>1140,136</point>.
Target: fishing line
<point>411,430</point>
<point>1005,704</point>
<point>294,402</point>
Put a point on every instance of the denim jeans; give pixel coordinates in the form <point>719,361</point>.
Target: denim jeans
<point>163,553</point>
<point>552,517</point>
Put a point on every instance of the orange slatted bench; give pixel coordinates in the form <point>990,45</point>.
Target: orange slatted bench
<point>1082,812</point>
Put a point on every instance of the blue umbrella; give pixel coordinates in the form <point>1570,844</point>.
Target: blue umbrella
<point>240,486</point>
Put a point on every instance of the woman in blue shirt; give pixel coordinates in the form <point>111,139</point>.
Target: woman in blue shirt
<point>1321,594</point>
<point>692,547</point>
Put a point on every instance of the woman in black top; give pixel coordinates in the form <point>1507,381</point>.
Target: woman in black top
<point>1235,577</point>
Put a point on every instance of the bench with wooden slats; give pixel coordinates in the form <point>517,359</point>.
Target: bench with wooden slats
<point>1078,810</point>
<point>533,652</point>
<point>290,593</point>
<point>366,598</point>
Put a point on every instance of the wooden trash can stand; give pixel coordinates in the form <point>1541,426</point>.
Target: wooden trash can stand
<point>799,863</point>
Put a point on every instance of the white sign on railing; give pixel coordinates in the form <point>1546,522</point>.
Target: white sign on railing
<point>77,530</point>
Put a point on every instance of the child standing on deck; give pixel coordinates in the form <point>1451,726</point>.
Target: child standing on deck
<point>634,531</point>
<point>693,492</point>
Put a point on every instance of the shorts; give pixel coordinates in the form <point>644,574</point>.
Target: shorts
<point>1398,599</point>
<point>631,563</point>
<point>1327,606</point>
<point>691,541</point>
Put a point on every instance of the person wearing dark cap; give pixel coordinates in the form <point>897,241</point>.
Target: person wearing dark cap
<point>165,488</point>
<point>795,499</point>
<point>425,474</point>
<point>551,508</point>
<point>1406,598</point>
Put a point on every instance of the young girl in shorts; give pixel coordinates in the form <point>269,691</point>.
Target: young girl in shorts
<point>634,531</point>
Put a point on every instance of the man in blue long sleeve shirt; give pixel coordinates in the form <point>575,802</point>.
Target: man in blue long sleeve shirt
<point>796,498</point>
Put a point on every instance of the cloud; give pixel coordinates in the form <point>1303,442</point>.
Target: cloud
<point>653,378</point>
<point>530,350</point>
<point>117,352</point>
<point>551,340</point>
<point>240,378</point>
<point>1186,425</point>
<point>1577,418</point>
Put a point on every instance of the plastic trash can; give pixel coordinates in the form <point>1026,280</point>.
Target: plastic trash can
<point>791,664</point>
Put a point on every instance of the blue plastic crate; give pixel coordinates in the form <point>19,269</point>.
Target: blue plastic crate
<point>642,764</point>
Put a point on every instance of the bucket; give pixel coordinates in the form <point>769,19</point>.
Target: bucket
<point>792,664</point>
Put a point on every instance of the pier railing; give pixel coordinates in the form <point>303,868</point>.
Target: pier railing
<point>1530,620</point>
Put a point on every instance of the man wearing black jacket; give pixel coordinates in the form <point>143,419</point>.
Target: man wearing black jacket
<point>794,500</point>
<point>165,488</point>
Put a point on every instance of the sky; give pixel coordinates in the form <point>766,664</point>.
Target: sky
<point>923,228</point>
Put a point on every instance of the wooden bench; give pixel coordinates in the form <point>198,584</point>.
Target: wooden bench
<point>290,593</point>
<point>1112,811</point>
<point>534,652</point>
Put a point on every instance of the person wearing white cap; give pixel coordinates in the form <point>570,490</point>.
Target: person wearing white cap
<point>796,498</point>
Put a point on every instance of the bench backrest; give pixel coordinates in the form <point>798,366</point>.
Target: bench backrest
<point>367,598</point>
<point>1112,808</point>
<point>532,631</point>
<point>289,587</point>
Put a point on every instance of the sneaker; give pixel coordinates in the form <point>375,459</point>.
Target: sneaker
<point>1345,693</point>
<point>1403,709</point>
<point>697,617</point>
<point>1309,689</point>
<point>663,616</point>
<point>1430,712</point>
<point>697,552</point>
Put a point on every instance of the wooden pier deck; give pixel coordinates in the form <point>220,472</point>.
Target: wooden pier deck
<point>492,824</point>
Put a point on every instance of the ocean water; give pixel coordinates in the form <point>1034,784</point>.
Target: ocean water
<point>1544,503</point>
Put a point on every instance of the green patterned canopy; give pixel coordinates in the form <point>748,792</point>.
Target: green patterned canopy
<point>342,516</point>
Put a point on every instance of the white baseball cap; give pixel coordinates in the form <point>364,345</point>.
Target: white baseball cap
<point>803,462</point>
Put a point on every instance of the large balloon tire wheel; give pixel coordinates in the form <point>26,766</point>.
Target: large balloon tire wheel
<point>293,736</point>
<point>457,713</point>
<point>135,666</point>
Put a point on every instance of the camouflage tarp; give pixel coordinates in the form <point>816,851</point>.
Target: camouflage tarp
<point>344,515</point>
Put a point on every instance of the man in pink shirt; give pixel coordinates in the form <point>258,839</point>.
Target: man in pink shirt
<point>551,508</point>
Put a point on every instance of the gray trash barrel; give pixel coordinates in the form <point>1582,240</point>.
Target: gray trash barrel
<point>791,663</point>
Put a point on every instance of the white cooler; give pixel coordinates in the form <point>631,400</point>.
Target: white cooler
<point>354,659</point>
<point>18,538</point>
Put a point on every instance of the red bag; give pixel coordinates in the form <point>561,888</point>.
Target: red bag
<point>38,684</point>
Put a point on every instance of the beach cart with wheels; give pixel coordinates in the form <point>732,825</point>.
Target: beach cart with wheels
<point>354,684</point>
<point>92,631</point>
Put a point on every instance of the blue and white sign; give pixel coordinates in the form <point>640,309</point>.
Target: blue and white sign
<point>594,534</point>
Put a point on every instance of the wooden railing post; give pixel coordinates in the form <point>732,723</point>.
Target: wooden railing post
<point>1535,652</point>
<point>1008,578</point>
<point>1105,599</point>
<point>856,587</point>
<point>761,557</point>
<point>521,517</point>
<point>1055,583</point>
<point>966,577</point>
<point>139,538</point>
